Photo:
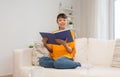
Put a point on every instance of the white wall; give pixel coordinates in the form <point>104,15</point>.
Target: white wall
<point>20,23</point>
<point>77,19</point>
<point>96,19</point>
<point>87,18</point>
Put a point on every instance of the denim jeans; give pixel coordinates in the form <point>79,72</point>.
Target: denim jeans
<point>60,63</point>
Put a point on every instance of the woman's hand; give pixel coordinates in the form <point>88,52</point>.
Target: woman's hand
<point>59,41</point>
<point>64,43</point>
<point>45,44</point>
<point>44,40</point>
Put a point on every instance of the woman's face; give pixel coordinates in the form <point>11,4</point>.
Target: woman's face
<point>62,22</point>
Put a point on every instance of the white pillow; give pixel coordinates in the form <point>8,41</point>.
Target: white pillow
<point>116,56</point>
<point>38,51</point>
<point>81,47</point>
<point>100,52</point>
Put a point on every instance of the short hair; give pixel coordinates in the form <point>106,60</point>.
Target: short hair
<point>62,15</point>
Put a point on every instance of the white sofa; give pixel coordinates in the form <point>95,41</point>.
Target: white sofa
<point>95,55</point>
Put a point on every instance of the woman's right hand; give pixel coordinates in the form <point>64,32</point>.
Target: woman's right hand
<point>44,40</point>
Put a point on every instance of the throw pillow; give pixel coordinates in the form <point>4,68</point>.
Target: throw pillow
<point>38,51</point>
<point>116,56</point>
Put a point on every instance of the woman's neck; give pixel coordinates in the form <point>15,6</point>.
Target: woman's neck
<point>61,28</point>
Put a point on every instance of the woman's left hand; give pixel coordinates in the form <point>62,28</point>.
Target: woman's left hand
<point>59,41</point>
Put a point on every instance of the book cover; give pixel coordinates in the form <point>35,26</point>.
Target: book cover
<point>64,35</point>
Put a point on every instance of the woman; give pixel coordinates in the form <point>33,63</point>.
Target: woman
<point>61,54</point>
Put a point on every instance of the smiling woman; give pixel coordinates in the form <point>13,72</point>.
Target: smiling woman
<point>62,53</point>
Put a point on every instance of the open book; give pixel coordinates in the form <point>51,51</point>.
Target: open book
<point>63,35</point>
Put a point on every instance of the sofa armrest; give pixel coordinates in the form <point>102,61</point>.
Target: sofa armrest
<point>22,57</point>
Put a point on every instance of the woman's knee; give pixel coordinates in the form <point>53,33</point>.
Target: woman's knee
<point>65,63</point>
<point>46,62</point>
<point>41,59</point>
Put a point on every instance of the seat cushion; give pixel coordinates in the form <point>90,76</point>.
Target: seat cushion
<point>104,72</point>
<point>50,72</point>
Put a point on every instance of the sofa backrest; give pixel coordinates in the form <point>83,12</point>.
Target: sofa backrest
<point>81,50</point>
<point>94,51</point>
<point>100,52</point>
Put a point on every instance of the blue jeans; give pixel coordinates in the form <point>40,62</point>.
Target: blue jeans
<point>60,63</point>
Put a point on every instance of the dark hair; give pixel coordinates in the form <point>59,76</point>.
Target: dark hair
<point>61,15</point>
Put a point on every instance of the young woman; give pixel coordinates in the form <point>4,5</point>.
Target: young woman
<point>61,54</point>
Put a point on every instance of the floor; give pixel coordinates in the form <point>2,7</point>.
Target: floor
<point>7,76</point>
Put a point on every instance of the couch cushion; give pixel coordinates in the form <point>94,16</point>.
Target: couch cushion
<point>51,72</point>
<point>100,52</point>
<point>103,72</point>
<point>116,56</point>
<point>81,47</point>
<point>38,51</point>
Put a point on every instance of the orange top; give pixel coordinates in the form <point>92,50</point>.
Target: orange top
<point>59,50</point>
